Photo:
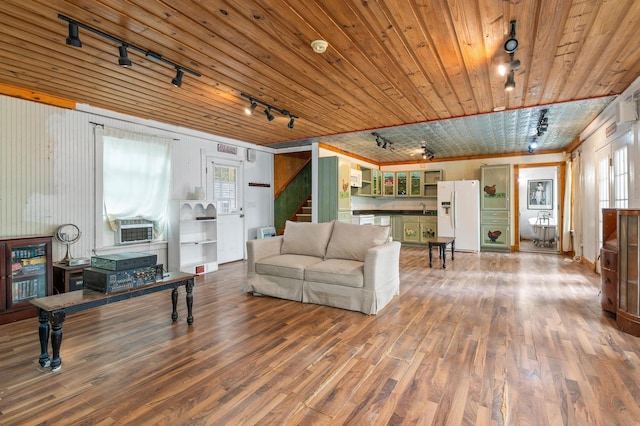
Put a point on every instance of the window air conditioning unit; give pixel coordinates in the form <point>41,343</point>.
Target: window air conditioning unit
<point>132,231</point>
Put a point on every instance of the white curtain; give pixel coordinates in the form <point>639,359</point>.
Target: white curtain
<point>577,207</point>
<point>568,212</point>
<point>136,177</point>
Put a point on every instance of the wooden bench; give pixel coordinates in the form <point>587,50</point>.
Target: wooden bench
<point>55,308</point>
<point>441,243</point>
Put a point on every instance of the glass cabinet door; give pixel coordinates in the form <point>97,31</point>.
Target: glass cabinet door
<point>415,184</point>
<point>376,183</point>
<point>389,184</point>
<point>401,184</point>
<point>28,272</point>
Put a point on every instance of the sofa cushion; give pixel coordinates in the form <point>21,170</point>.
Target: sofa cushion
<point>348,273</point>
<point>286,265</point>
<point>351,242</point>
<point>309,239</point>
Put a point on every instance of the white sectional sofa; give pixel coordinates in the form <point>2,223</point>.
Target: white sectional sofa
<point>337,264</point>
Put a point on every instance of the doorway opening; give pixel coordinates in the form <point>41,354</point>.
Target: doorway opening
<point>538,202</point>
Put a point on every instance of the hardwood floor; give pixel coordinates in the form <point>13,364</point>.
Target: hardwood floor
<point>494,339</point>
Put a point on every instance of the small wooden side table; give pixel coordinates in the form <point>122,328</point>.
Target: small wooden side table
<point>441,243</point>
<point>67,278</point>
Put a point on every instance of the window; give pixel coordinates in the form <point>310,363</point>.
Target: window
<point>225,188</point>
<point>603,190</point>
<point>136,178</point>
<point>620,177</point>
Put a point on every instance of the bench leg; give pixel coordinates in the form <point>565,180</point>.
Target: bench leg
<point>453,249</point>
<point>430,255</point>
<point>43,332</point>
<point>57,318</point>
<point>443,250</point>
<point>174,302</point>
<point>189,287</point>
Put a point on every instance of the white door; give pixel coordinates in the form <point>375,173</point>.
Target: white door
<point>224,184</point>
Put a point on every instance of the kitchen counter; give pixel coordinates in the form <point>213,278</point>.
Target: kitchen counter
<point>394,212</point>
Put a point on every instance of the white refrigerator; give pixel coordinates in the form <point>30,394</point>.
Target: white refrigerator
<point>459,213</point>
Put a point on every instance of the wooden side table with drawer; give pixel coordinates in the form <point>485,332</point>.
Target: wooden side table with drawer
<point>67,278</point>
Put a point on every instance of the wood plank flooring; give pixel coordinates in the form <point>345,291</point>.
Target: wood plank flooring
<point>495,339</point>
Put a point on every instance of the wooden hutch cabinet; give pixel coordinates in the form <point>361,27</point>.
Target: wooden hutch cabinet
<point>25,273</point>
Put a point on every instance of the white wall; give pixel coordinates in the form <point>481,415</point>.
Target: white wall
<point>595,139</point>
<point>47,161</point>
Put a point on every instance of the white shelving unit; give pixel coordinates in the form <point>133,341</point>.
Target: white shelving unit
<point>193,237</point>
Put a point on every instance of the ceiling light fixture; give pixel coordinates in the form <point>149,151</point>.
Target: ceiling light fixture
<point>510,46</point>
<point>268,107</point>
<point>319,46</point>
<point>74,40</point>
<point>123,60</point>
<point>270,116</point>
<point>511,82</point>
<point>383,143</point>
<point>426,152</point>
<point>177,80</point>
<point>251,108</point>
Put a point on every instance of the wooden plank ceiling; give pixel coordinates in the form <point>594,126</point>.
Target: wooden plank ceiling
<point>414,71</point>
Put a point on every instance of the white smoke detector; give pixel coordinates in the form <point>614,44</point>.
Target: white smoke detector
<point>319,46</point>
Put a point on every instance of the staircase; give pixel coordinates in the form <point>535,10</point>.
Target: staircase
<point>304,212</point>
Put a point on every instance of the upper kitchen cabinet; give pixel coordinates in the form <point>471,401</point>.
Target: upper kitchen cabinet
<point>430,183</point>
<point>388,184</point>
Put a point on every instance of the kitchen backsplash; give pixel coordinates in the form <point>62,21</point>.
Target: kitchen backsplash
<point>382,203</point>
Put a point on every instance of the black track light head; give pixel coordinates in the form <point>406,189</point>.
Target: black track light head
<point>511,81</point>
<point>73,39</point>
<point>249,110</point>
<point>267,112</point>
<point>177,81</point>
<point>290,125</point>
<point>123,60</point>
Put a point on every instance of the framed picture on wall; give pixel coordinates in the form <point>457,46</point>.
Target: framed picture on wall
<point>540,194</point>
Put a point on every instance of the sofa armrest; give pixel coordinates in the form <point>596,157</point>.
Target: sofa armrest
<point>261,249</point>
<point>382,266</point>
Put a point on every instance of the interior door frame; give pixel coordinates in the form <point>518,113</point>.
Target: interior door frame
<point>210,162</point>
<point>562,167</point>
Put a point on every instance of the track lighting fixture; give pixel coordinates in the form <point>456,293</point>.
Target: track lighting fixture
<point>249,110</point>
<point>383,143</point>
<point>74,40</point>
<point>511,81</point>
<point>426,153</point>
<point>510,46</point>
<point>123,60</point>
<point>253,103</point>
<point>541,127</point>
<point>177,81</point>
<point>270,116</point>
